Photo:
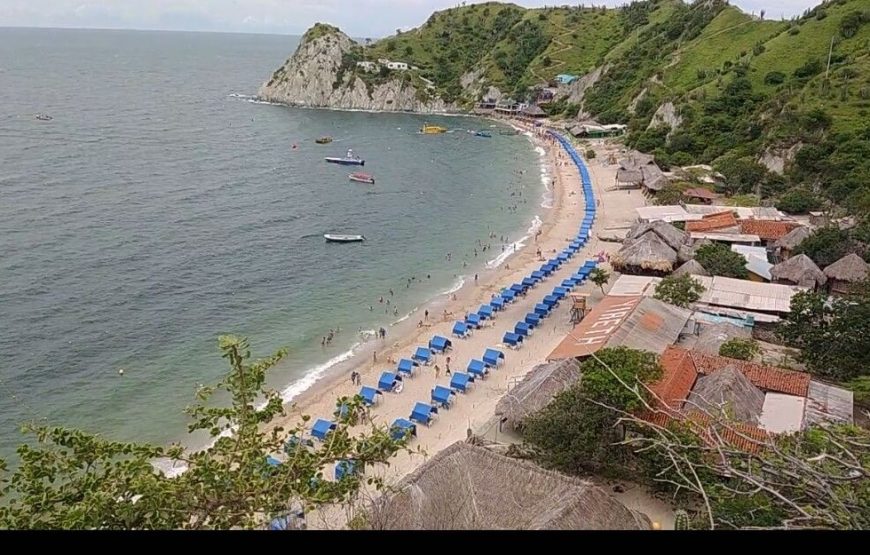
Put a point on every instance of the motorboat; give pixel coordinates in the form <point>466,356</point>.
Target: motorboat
<point>350,159</point>
<point>429,129</point>
<point>44,117</point>
<point>323,140</point>
<point>486,134</point>
<point>338,238</point>
<point>362,178</point>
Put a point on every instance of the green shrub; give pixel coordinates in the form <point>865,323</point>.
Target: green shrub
<point>743,349</point>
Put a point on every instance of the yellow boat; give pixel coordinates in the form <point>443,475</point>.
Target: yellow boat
<point>432,129</point>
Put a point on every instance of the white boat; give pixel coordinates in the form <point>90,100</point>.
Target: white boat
<point>337,238</point>
<point>349,160</point>
<point>362,178</point>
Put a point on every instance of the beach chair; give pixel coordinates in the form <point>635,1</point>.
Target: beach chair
<point>461,382</point>
<point>442,396</point>
<point>407,367</point>
<point>389,381</point>
<point>322,428</point>
<point>493,357</point>
<point>422,355</point>
<point>402,429</point>
<point>460,330</point>
<point>476,368</point>
<point>532,319</point>
<point>369,395</point>
<point>440,344</point>
<point>423,413</point>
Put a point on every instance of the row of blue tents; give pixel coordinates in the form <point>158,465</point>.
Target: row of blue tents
<point>443,396</point>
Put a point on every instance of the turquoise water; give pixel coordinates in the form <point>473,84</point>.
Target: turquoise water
<point>162,207</point>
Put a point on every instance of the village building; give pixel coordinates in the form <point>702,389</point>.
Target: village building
<point>845,274</point>
<point>756,262</point>
<point>700,194</point>
<point>799,270</point>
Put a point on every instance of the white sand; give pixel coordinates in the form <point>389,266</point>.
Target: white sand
<point>473,410</point>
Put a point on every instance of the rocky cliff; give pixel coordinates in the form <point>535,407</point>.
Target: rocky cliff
<point>323,73</point>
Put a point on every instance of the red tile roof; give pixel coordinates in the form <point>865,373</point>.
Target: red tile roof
<point>678,377</point>
<point>745,437</point>
<point>720,220</point>
<point>768,230</point>
<point>770,378</point>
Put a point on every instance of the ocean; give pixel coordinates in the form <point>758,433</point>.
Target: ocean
<point>163,206</point>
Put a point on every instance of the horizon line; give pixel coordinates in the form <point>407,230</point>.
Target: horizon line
<point>151,30</point>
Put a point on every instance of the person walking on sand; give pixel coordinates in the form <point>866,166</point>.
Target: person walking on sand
<point>475,278</point>
<point>426,315</point>
<point>375,357</point>
<point>437,372</point>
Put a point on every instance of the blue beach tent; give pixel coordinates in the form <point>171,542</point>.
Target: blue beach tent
<point>322,428</point>
<point>532,319</point>
<point>523,329</point>
<point>402,428</point>
<point>551,300</point>
<point>344,467</point>
<point>561,291</point>
<point>476,368</point>
<point>485,311</point>
<point>542,309</point>
<point>473,320</point>
<point>440,344</point>
<point>569,283</point>
<point>529,282</point>
<point>422,413</point>
<point>460,381</point>
<point>497,303</point>
<point>369,395</point>
<point>460,329</point>
<point>407,366</point>
<point>442,396</point>
<point>508,295</point>
<point>518,288</point>
<point>422,355</point>
<point>538,275</point>
<point>493,357</point>
<point>388,381</point>
<point>512,339</point>
<point>548,269</point>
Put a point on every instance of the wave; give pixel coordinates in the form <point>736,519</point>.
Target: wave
<point>252,99</point>
<point>514,247</point>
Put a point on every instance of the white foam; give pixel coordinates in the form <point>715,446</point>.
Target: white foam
<point>514,247</point>
<point>314,374</point>
<point>457,285</point>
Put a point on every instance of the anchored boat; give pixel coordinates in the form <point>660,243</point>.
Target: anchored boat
<point>362,178</point>
<point>349,160</point>
<point>323,140</point>
<point>486,134</point>
<point>428,129</point>
<point>338,238</point>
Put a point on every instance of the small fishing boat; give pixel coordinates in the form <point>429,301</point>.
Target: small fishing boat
<point>338,238</point>
<point>362,178</point>
<point>428,129</point>
<point>486,134</point>
<point>350,159</point>
<point>323,140</point>
<point>44,117</point>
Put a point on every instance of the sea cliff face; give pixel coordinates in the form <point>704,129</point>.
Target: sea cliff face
<point>323,73</point>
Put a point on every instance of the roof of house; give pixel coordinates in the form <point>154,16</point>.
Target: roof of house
<point>712,335</point>
<point>536,390</point>
<point>692,267</point>
<point>469,487</point>
<point>671,235</point>
<point>727,393</point>
<point>762,376</point>
<point>629,176</point>
<point>793,238</point>
<point>649,252</point>
<point>668,213</point>
<point>828,403</point>
<point>533,110</point>
<point>726,237</point>
<point>782,414</point>
<point>678,377</point>
<point>743,212</point>
<point>700,192</point>
<point>756,260</point>
<point>768,230</point>
<point>850,268</point>
<point>711,222</point>
<point>637,322</point>
<point>654,178</point>
<point>800,270</point>
<point>748,295</point>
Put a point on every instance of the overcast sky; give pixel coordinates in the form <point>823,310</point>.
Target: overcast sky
<point>359,18</point>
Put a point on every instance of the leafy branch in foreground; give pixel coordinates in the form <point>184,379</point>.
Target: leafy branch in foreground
<point>75,480</point>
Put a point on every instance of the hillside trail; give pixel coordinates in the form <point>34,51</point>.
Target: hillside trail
<point>562,48</point>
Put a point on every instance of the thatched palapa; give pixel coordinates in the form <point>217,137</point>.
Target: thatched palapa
<point>729,394</point>
<point>851,268</point>
<point>648,252</point>
<point>800,270</point>
<point>466,487</point>
<point>791,240</point>
<point>692,268</point>
<point>674,237</point>
<point>536,390</point>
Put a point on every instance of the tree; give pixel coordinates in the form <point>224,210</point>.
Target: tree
<point>832,334</point>
<point>853,21</point>
<point>798,201</point>
<point>599,277</point>
<point>681,290</point>
<point>743,349</point>
<point>72,479</point>
<point>590,154</point>
<point>719,260</point>
<point>827,245</point>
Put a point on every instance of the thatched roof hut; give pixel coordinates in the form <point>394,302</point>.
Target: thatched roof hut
<point>675,238</point>
<point>692,267</point>
<point>846,272</point>
<point>791,240</point>
<point>466,487</point>
<point>647,253</point>
<point>727,393</point>
<point>799,270</point>
<point>536,390</point>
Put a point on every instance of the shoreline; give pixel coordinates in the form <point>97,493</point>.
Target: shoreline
<point>403,333</point>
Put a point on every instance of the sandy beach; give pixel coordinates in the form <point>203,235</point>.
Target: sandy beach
<point>472,412</point>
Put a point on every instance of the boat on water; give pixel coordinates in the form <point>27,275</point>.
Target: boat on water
<point>429,129</point>
<point>323,140</point>
<point>350,159</point>
<point>44,117</point>
<point>339,238</point>
<point>362,178</point>
<point>486,134</point>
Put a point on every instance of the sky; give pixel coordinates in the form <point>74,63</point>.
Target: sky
<point>359,18</point>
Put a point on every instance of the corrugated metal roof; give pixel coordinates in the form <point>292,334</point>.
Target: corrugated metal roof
<point>634,286</point>
<point>756,260</point>
<point>828,403</point>
<point>782,414</point>
<point>727,237</point>
<point>748,295</point>
<point>669,213</point>
<point>743,212</point>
